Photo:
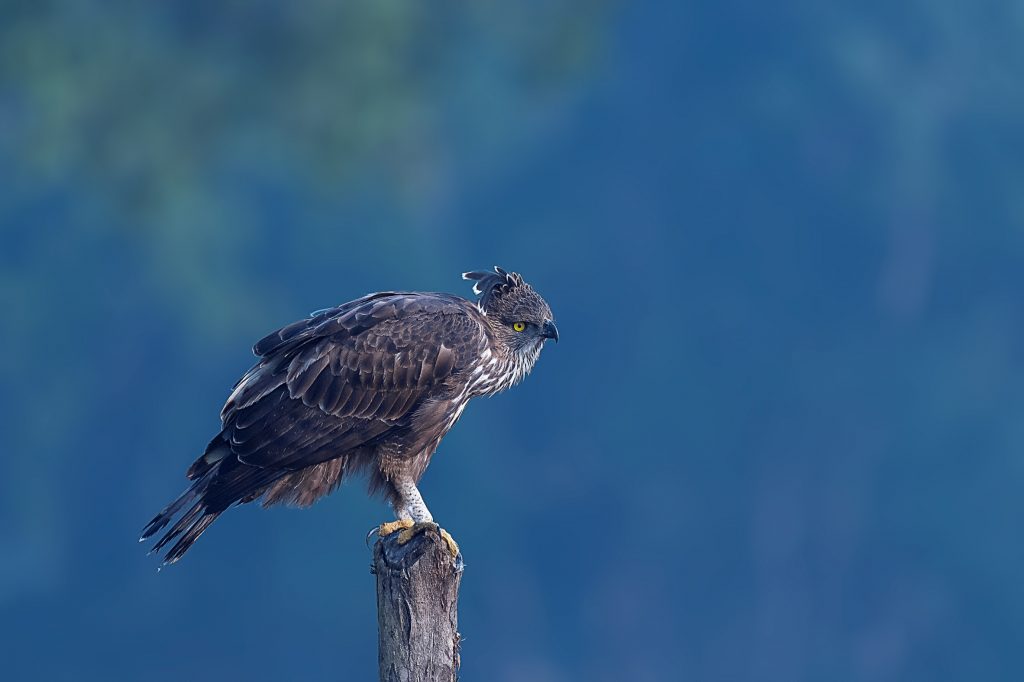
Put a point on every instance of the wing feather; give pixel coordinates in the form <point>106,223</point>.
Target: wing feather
<point>346,375</point>
<point>324,391</point>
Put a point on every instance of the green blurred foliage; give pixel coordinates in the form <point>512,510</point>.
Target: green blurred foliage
<point>156,112</point>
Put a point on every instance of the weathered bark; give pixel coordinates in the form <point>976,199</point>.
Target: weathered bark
<point>417,608</point>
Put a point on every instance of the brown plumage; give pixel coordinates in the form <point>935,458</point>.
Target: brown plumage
<point>370,386</point>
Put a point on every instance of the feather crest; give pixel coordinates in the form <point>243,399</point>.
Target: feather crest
<point>491,285</point>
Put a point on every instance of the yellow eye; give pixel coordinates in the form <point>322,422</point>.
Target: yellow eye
<point>519,326</point>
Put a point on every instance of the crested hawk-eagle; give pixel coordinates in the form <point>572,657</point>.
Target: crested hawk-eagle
<point>371,386</point>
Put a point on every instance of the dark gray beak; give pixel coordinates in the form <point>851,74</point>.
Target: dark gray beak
<point>549,331</point>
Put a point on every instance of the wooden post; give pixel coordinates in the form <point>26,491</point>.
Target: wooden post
<point>417,608</point>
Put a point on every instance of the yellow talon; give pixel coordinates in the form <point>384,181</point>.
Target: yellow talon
<point>391,526</point>
<point>453,546</point>
<point>411,530</point>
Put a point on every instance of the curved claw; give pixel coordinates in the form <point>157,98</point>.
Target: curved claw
<point>388,528</point>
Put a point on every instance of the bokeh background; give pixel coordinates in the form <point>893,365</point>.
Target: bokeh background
<point>781,438</point>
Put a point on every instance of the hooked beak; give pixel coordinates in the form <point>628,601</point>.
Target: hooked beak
<point>549,331</point>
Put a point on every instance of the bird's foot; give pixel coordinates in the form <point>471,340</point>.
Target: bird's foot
<point>390,527</point>
<point>411,531</point>
<point>453,546</point>
<point>385,529</point>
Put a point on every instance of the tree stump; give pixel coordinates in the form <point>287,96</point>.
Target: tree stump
<point>417,608</point>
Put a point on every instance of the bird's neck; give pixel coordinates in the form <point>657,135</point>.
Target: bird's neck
<point>506,368</point>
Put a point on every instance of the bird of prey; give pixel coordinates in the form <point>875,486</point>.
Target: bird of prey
<point>370,386</point>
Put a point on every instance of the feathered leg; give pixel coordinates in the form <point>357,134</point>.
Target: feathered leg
<point>409,503</point>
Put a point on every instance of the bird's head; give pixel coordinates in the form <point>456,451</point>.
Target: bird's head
<point>519,318</point>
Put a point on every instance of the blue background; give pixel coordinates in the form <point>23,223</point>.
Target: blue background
<point>780,439</point>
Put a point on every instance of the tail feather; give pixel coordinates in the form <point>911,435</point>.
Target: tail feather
<point>169,512</point>
<point>183,524</point>
<point>224,483</point>
<point>190,526</point>
<point>192,534</point>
